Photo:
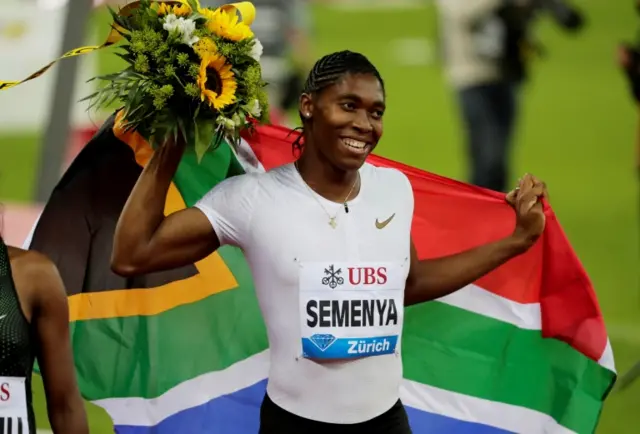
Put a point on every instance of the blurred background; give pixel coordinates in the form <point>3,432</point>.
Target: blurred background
<point>477,90</point>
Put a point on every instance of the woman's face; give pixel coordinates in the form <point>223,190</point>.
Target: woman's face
<point>346,119</point>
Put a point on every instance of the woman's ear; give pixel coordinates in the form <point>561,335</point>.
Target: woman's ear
<point>306,106</point>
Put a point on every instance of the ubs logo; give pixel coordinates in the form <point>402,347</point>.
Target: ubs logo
<point>332,277</point>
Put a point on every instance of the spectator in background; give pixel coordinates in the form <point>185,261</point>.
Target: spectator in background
<point>629,61</point>
<point>299,52</point>
<point>485,44</point>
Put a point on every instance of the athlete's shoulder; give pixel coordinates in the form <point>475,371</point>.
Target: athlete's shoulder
<point>245,183</point>
<point>258,178</point>
<point>265,181</point>
<point>390,176</point>
<point>36,279</point>
<point>243,192</point>
<point>282,171</point>
<point>34,266</point>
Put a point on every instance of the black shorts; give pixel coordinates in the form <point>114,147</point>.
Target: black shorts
<point>276,420</point>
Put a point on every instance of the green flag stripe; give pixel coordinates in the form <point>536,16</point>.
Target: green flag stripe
<point>464,352</point>
<point>194,179</point>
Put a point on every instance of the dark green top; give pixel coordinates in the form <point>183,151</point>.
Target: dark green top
<point>17,343</point>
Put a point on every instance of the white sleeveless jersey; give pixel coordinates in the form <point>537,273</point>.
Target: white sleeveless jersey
<point>332,298</point>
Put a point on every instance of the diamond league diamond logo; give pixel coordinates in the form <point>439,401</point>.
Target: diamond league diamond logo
<point>322,341</point>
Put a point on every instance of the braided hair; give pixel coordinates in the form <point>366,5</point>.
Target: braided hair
<point>329,70</point>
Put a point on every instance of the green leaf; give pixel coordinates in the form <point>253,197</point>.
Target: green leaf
<point>127,57</point>
<point>196,112</point>
<point>193,4</point>
<point>204,134</point>
<point>176,131</point>
<point>89,97</point>
<point>198,17</point>
<point>121,21</point>
<point>183,130</point>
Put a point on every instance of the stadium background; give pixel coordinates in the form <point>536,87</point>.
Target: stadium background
<point>577,133</point>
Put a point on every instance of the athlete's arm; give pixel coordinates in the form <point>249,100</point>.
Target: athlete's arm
<point>50,316</point>
<point>434,278</point>
<point>145,240</point>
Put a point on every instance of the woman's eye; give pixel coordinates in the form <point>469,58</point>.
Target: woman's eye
<point>378,114</point>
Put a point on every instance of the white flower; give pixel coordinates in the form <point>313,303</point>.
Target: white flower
<point>226,123</point>
<point>254,108</point>
<point>256,50</point>
<point>170,23</point>
<point>237,120</point>
<point>184,27</point>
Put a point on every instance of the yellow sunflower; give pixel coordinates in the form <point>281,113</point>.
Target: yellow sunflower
<point>226,25</point>
<point>163,9</point>
<point>216,81</point>
<point>205,47</point>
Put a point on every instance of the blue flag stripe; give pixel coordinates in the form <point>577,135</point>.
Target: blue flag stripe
<point>239,413</point>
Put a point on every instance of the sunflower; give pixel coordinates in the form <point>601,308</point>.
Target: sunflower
<point>163,9</point>
<point>215,71</point>
<point>226,25</point>
<point>205,47</point>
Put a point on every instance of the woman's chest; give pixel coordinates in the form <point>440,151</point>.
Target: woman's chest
<point>290,234</point>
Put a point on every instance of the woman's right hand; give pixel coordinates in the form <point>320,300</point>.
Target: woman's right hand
<point>145,240</point>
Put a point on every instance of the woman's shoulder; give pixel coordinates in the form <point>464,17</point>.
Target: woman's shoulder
<point>32,269</point>
<point>36,279</point>
<point>29,261</point>
<point>389,176</point>
<point>255,180</point>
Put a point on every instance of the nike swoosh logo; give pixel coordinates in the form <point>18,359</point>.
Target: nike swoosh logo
<point>381,225</point>
<point>2,316</point>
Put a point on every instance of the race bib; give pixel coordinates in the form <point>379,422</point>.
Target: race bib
<point>351,310</point>
<point>13,406</point>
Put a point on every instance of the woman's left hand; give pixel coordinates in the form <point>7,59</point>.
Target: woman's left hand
<point>526,200</point>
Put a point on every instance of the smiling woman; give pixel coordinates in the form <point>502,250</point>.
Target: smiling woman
<point>279,218</point>
<point>341,109</point>
<point>356,99</point>
<point>312,236</point>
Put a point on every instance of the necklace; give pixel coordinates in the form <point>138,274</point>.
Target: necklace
<point>332,219</point>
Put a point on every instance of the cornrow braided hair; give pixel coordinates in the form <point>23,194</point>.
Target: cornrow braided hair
<point>329,70</point>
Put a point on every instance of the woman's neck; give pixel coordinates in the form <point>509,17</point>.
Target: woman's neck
<point>327,180</point>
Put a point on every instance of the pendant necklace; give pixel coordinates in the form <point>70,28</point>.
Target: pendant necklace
<point>332,219</point>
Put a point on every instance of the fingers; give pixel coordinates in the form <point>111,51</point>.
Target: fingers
<point>530,183</point>
<point>511,196</point>
<point>540,188</point>
<point>527,201</point>
<point>526,182</point>
<point>527,194</point>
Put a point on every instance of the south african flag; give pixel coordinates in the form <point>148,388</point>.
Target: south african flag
<point>523,349</point>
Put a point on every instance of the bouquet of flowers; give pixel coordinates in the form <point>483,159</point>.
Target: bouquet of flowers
<point>191,70</point>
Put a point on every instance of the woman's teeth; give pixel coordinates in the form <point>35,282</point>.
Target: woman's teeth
<point>356,144</point>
